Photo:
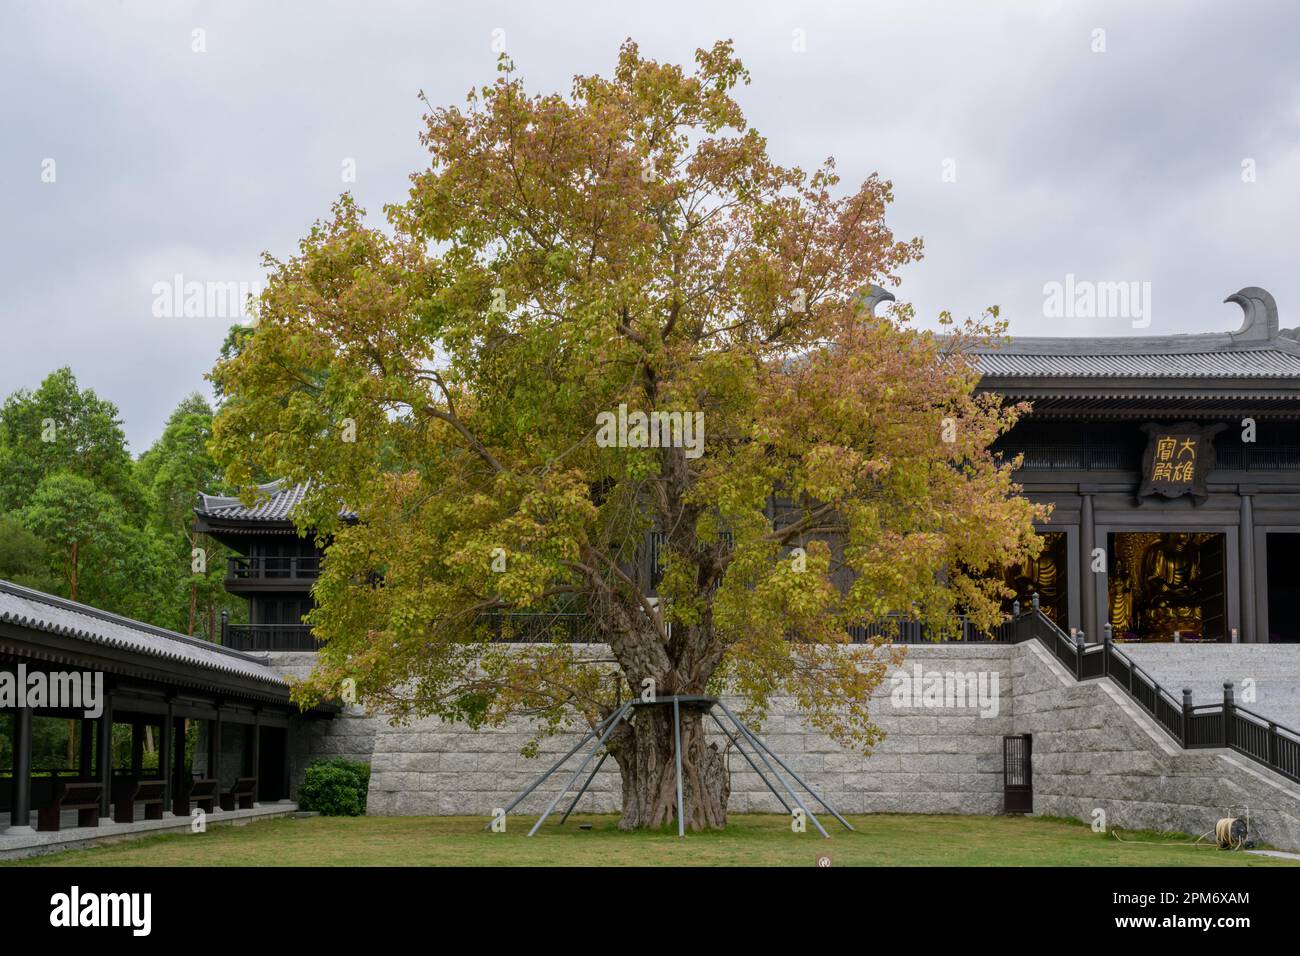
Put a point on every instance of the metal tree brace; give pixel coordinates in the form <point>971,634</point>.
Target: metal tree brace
<point>627,711</point>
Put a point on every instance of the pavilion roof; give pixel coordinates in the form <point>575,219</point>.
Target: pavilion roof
<point>48,613</point>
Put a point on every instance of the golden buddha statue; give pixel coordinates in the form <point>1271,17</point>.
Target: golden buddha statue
<point>1171,574</point>
<point>1039,575</point>
<point>1121,601</point>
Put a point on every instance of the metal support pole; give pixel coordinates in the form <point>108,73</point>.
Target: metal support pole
<point>677,753</point>
<point>803,783</point>
<point>798,779</point>
<point>601,763</point>
<point>583,766</point>
<point>761,776</point>
<point>759,749</point>
<point>559,763</point>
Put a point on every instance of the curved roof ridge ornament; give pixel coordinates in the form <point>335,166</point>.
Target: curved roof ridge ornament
<point>873,295</point>
<point>1259,308</point>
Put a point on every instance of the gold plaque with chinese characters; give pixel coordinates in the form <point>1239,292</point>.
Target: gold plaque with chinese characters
<point>1178,459</point>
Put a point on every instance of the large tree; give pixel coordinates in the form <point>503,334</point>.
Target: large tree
<point>629,244</point>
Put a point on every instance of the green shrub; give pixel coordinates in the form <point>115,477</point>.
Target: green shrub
<point>335,788</point>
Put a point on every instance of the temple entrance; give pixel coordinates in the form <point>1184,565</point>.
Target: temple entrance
<point>1048,576</point>
<point>1283,588</point>
<point>1166,586</point>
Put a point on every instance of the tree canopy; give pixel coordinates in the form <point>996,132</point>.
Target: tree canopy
<point>628,247</point>
<point>81,518</point>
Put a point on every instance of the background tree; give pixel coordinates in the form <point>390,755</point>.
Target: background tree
<point>24,557</point>
<point>81,518</point>
<point>61,427</point>
<point>72,514</point>
<point>629,244</point>
<point>171,474</point>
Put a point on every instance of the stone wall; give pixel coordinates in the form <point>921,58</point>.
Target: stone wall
<point>349,734</point>
<point>1092,748</point>
<point>933,760</point>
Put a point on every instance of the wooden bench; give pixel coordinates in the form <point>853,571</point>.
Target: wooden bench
<point>80,795</point>
<point>240,795</point>
<point>129,791</point>
<point>201,791</point>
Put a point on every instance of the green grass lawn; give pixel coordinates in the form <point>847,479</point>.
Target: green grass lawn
<point>752,839</point>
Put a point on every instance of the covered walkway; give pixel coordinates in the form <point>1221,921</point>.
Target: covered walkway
<point>109,726</point>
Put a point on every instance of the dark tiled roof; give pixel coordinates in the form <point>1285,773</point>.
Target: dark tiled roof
<point>275,502</point>
<point>45,612</point>
<point>1245,363</point>
<point>1257,355</point>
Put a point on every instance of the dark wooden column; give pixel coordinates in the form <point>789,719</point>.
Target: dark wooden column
<point>1088,577</point>
<point>104,762</point>
<point>165,757</point>
<point>137,747</point>
<point>256,752</point>
<point>85,761</point>
<point>20,810</point>
<point>1246,570</point>
<point>179,770</point>
<point>284,787</point>
<point>214,738</point>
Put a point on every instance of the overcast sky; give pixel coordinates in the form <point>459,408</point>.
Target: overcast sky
<point>1018,151</point>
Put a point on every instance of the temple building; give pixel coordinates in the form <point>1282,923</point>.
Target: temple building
<point>1173,467</point>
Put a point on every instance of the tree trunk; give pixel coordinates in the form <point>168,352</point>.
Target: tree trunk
<point>646,758</point>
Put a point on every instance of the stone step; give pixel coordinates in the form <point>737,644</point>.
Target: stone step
<point>1271,672</point>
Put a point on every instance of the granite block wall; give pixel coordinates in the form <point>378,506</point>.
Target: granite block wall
<point>1092,748</point>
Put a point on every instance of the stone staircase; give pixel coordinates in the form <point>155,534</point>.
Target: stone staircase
<point>1274,669</point>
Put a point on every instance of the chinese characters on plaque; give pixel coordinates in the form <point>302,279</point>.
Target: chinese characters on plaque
<point>1178,458</point>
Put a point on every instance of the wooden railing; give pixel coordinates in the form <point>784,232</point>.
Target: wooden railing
<point>297,568</point>
<point>902,630</point>
<point>268,637</point>
<point>1193,727</point>
<point>540,627</point>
